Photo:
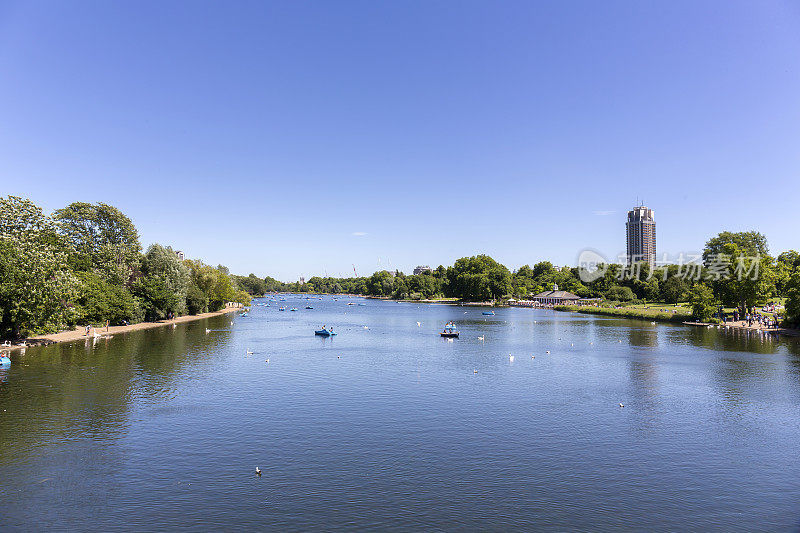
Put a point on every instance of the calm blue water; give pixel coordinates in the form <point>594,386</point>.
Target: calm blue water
<point>391,428</point>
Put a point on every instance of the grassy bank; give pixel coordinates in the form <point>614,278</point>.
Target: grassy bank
<point>654,313</point>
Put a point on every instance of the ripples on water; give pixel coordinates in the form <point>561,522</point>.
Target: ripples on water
<point>392,428</point>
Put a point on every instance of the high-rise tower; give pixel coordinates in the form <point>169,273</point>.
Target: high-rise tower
<point>641,232</point>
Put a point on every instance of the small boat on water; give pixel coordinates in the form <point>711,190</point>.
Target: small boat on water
<point>293,309</point>
<point>244,314</point>
<point>350,303</point>
<point>324,332</point>
<point>490,313</point>
<point>309,307</point>
<point>449,330</point>
<point>5,360</point>
<point>281,309</point>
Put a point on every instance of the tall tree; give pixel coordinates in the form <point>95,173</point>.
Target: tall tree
<point>103,240</point>
<point>37,288</point>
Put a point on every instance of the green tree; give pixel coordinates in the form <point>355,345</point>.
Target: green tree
<point>793,300</point>
<point>102,238</point>
<point>37,289</point>
<point>478,278</point>
<point>164,272</point>
<point>739,268</point>
<point>98,301</point>
<point>703,302</point>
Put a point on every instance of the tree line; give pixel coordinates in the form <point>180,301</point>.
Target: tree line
<point>735,270</point>
<point>84,265</point>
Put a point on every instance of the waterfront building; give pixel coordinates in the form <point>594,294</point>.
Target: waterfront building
<point>640,230</point>
<point>555,297</point>
<point>422,268</point>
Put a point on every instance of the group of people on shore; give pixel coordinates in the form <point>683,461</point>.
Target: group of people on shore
<point>752,319</point>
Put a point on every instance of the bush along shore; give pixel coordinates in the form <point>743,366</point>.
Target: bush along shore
<point>653,315</point>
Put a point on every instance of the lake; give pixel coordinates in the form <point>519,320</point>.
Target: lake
<point>390,427</point>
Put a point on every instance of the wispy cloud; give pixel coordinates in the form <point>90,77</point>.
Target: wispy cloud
<point>604,213</point>
<point>359,234</point>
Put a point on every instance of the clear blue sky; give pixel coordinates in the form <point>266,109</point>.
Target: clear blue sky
<point>302,137</point>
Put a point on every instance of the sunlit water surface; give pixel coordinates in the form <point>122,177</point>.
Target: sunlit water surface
<point>391,427</point>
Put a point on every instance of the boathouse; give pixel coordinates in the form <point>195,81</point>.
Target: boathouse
<point>555,297</point>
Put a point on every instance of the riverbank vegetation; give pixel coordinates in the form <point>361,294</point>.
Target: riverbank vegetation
<point>735,271</point>
<point>84,265</point>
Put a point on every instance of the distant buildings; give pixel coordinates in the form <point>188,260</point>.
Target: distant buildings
<point>302,280</point>
<point>641,235</point>
<point>179,255</point>
<point>422,268</point>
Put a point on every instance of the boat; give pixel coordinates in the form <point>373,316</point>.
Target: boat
<point>5,360</point>
<point>244,314</point>
<point>490,313</point>
<point>449,330</point>
<point>293,309</point>
<point>351,303</point>
<point>281,309</point>
<point>309,307</point>
<point>324,332</point>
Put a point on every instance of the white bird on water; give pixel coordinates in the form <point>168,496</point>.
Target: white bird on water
<point>174,326</point>
<point>419,325</point>
<point>480,338</point>
<point>652,323</point>
<point>621,404</point>
<point>510,358</point>
<point>249,352</point>
<point>258,471</point>
<point>208,330</point>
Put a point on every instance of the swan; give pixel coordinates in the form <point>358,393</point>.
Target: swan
<point>174,326</point>
<point>652,323</point>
